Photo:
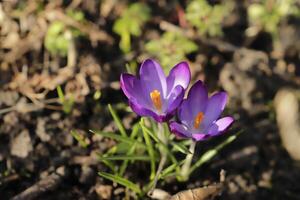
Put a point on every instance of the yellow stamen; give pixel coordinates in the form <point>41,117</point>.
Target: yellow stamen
<point>156,100</point>
<point>198,119</point>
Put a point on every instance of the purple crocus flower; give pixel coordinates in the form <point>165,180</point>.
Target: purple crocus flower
<point>198,115</point>
<point>153,94</point>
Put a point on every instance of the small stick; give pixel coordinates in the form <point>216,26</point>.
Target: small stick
<point>49,183</point>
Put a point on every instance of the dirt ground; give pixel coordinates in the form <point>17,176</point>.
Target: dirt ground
<point>38,151</point>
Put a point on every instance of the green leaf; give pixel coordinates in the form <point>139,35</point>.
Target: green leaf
<point>207,156</point>
<point>110,165</point>
<point>66,103</point>
<point>159,142</point>
<point>130,23</point>
<point>170,48</point>
<point>124,165</point>
<point>120,138</point>
<point>117,120</point>
<point>170,170</point>
<point>61,95</point>
<point>121,181</point>
<point>149,149</point>
<point>125,157</point>
<point>154,137</point>
<point>180,147</point>
<point>79,138</point>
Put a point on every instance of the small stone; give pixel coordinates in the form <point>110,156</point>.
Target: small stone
<point>104,191</point>
<point>21,145</point>
<point>87,174</point>
<point>41,131</point>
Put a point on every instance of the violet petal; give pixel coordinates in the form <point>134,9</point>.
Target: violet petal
<point>179,75</point>
<point>175,98</point>
<point>200,136</point>
<point>196,102</point>
<point>220,126</point>
<point>153,78</point>
<point>180,130</point>
<point>214,108</point>
<point>132,89</point>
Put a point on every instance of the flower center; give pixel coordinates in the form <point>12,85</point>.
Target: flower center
<point>156,100</point>
<point>198,119</point>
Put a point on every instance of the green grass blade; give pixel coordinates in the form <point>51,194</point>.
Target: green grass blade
<point>180,147</point>
<point>132,149</point>
<point>158,141</point>
<point>154,137</point>
<point>110,165</point>
<point>149,149</point>
<point>61,95</point>
<point>125,163</point>
<point>117,120</point>
<point>119,138</point>
<point>170,169</point>
<point>122,181</point>
<point>79,138</point>
<point>211,153</point>
<point>134,131</point>
<point>124,157</point>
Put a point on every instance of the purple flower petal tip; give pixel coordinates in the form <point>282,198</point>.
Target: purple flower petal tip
<point>152,93</point>
<point>198,115</point>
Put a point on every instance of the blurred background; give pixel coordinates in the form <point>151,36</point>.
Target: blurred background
<point>60,63</point>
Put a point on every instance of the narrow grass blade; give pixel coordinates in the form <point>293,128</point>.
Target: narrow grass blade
<point>122,181</point>
<point>119,138</point>
<point>117,120</point>
<point>169,170</point>
<point>110,165</point>
<point>132,149</point>
<point>61,95</point>
<point>180,147</point>
<point>150,150</point>
<point>125,163</point>
<point>134,131</point>
<point>211,153</point>
<point>158,141</point>
<point>154,137</point>
<point>124,157</point>
<point>79,138</point>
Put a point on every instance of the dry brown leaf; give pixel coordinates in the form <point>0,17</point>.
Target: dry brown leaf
<point>203,193</point>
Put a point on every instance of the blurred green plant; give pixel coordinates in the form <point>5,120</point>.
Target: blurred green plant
<point>144,144</point>
<point>130,24</point>
<point>80,138</point>
<point>207,18</point>
<point>59,35</point>
<point>171,48</point>
<point>67,103</point>
<point>268,14</point>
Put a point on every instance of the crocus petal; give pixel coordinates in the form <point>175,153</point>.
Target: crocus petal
<point>152,77</point>
<point>196,102</point>
<point>180,130</point>
<point>142,111</point>
<point>215,106</point>
<point>175,98</point>
<point>132,89</point>
<point>179,75</point>
<point>200,136</point>
<point>220,126</point>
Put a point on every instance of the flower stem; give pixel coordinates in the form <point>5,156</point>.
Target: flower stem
<point>188,161</point>
<point>161,135</point>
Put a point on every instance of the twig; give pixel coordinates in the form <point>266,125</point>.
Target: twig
<point>49,183</point>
